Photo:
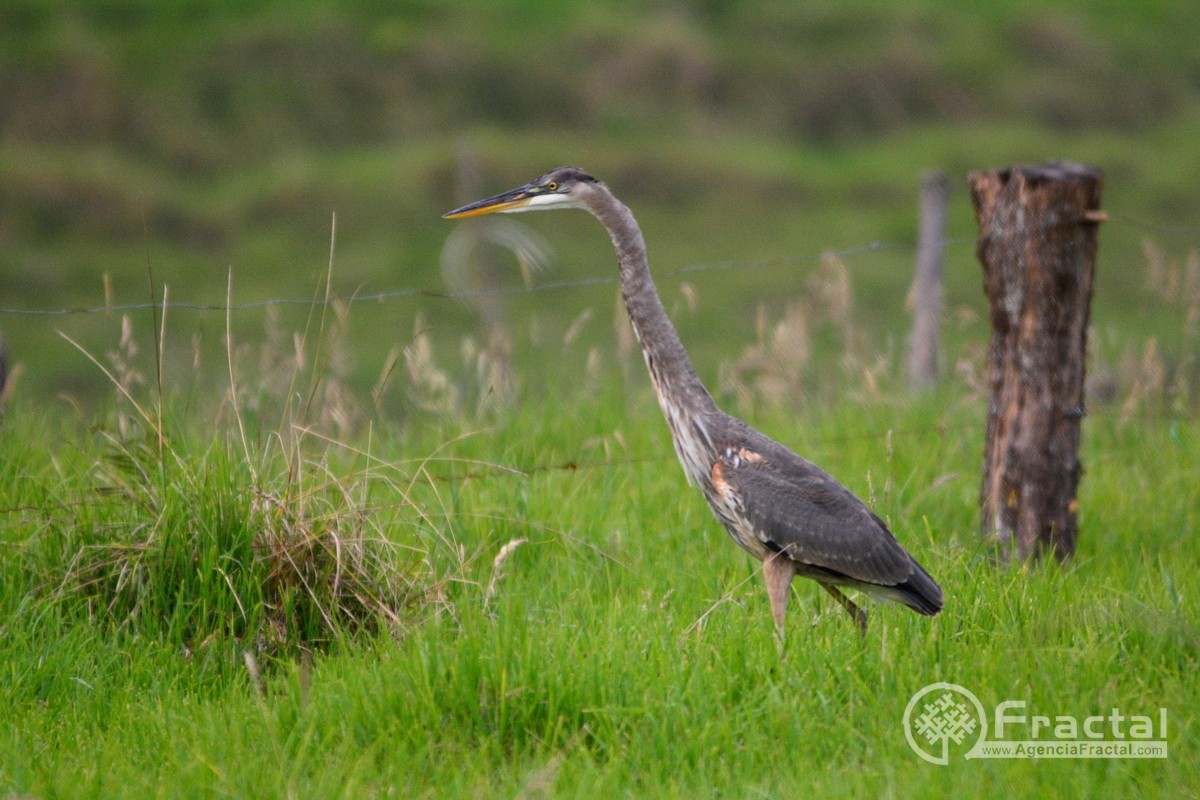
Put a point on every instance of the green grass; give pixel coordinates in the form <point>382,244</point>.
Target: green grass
<point>625,648</point>
<point>364,571</point>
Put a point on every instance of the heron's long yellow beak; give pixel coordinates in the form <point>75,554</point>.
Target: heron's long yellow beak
<point>505,201</point>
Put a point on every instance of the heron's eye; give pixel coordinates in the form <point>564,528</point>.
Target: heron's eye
<point>552,186</point>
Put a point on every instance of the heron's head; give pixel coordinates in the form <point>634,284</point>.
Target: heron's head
<point>565,187</point>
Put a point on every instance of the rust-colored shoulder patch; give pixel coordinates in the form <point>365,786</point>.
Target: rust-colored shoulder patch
<point>718,478</point>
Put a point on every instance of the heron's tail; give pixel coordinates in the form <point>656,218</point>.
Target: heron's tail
<point>920,592</point>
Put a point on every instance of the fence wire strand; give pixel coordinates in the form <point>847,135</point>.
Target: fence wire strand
<point>579,465</point>
<point>362,298</point>
<point>359,298</point>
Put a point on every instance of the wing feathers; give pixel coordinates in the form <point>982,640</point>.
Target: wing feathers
<point>795,507</point>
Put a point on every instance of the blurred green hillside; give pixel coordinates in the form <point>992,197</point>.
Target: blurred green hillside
<point>145,144</point>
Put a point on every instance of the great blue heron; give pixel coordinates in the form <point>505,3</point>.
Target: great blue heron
<point>780,508</point>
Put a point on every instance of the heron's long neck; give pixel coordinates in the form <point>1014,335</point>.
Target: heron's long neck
<point>687,405</point>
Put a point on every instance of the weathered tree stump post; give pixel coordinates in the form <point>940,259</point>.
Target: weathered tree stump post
<point>1037,245</point>
<point>925,297</point>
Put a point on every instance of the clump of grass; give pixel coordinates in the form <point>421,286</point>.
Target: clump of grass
<point>196,549</point>
<point>196,546</point>
<point>274,545</point>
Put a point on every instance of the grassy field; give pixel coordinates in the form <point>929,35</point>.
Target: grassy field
<point>534,604</point>
<point>521,597</point>
<point>347,548</point>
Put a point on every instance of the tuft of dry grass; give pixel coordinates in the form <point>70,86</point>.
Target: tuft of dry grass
<point>779,368</point>
<point>1152,377</point>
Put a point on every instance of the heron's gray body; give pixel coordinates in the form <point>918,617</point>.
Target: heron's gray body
<point>780,508</point>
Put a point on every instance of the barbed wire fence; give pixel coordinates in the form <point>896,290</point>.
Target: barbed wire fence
<point>462,294</point>
<point>847,252</point>
<point>1191,235</point>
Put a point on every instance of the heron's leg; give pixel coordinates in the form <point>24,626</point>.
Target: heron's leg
<point>857,614</point>
<point>777,572</point>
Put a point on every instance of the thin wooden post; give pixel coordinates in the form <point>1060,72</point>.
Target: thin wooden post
<point>925,297</point>
<point>1037,245</point>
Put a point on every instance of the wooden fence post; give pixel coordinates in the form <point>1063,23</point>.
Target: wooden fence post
<point>925,297</point>
<point>1037,245</point>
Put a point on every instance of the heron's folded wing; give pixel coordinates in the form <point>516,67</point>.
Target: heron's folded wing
<point>797,508</point>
